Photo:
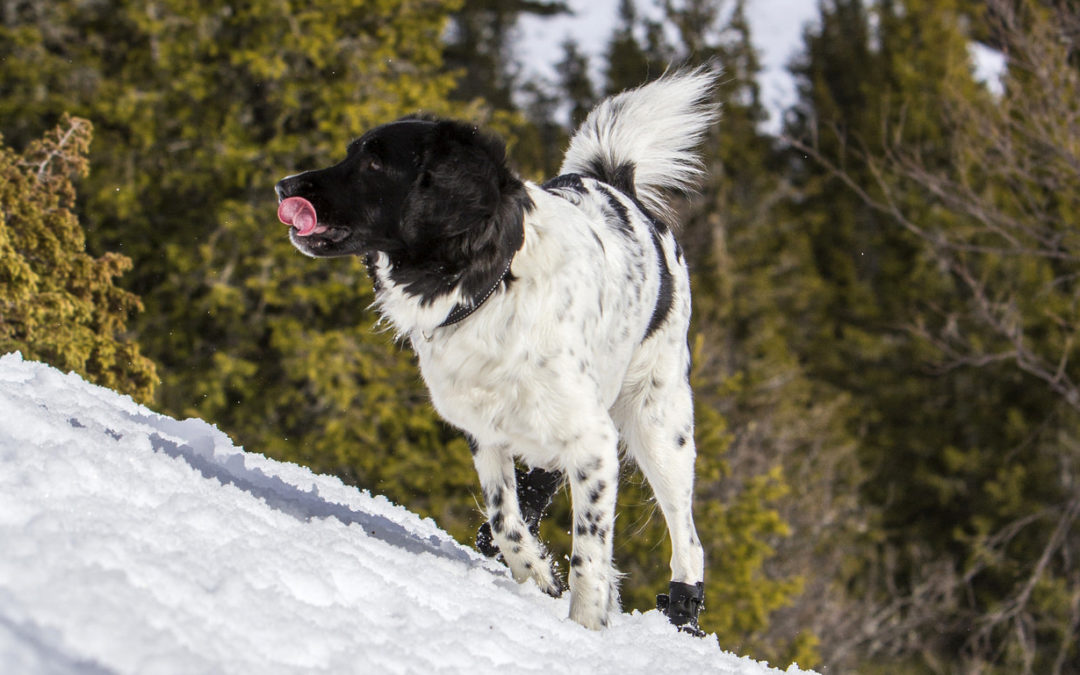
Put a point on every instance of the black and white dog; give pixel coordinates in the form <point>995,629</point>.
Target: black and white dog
<point>550,320</point>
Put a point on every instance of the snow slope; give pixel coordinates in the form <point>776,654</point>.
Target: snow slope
<point>131,542</point>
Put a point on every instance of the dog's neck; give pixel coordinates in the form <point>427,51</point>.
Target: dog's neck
<point>463,310</point>
<point>428,294</point>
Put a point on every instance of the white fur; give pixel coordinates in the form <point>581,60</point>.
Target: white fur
<point>554,369</point>
<point>656,127</point>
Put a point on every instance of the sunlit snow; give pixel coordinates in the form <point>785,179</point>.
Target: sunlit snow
<point>131,542</point>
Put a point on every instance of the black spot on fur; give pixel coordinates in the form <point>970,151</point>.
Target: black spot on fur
<point>620,177</point>
<point>576,561</point>
<point>598,242</point>
<point>514,536</point>
<point>681,440</point>
<point>597,492</point>
<point>621,220</point>
<point>497,523</point>
<point>567,181</point>
<point>582,528</point>
<point>665,296</point>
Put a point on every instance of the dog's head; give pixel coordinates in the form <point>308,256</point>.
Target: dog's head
<point>424,191</point>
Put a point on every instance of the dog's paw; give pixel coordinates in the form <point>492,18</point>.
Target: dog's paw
<point>538,568</point>
<point>683,606</point>
<point>550,584</point>
<point>591,612</point>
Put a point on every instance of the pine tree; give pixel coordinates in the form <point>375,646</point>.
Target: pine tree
<point>480,47</point>
<point>632,61</point>
<point>965,453</point>
<point>574,82</point>
<point>57,303</point>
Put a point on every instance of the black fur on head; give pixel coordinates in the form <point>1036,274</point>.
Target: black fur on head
<point>435,195</point>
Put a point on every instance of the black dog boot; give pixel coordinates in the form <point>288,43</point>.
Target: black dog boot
<point>535,490</point>
<point>683,605</point>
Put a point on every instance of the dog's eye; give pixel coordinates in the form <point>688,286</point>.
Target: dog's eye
<point>373,163</point>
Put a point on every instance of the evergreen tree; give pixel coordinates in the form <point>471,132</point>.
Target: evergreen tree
<point>574,82</point>
<point>964,453</point>
<point>58,304</point>
<point>480,47</point>
<point>630,61</point>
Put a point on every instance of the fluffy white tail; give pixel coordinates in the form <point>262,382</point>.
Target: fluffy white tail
<point>642,141</point>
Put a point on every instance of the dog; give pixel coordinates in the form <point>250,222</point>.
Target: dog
<point>550,321</point>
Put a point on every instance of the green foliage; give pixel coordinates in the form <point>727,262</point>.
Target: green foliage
<point>942,314</point>
<point>573,72</point>
<point>59,304</point>
<point>631,60</point>
<point>885,324</point>
<point>480,47</point>
<point>200,108</point>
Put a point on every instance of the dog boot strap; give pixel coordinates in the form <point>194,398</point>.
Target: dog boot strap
<point>682,606</point>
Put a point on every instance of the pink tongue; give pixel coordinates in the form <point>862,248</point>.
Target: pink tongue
<point>299,213</point>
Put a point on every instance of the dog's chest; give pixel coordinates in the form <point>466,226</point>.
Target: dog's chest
<point>528,373</point>
<point>497,388</point>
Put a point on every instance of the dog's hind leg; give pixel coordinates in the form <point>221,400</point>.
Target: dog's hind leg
<point>535,490</point>
<point>511,534</point>
<point>655,416</point>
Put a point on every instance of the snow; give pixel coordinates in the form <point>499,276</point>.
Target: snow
<point>131,542</point>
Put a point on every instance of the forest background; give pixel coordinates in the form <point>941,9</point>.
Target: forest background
<point>886,292</point>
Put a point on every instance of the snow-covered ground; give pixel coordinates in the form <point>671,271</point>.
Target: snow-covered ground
<point>131,542</point>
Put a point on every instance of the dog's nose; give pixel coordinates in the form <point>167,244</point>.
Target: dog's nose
<point>291,186</point>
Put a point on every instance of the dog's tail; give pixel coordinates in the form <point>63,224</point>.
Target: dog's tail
<point>643,141</point>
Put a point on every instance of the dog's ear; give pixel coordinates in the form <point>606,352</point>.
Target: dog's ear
<point>464,194</point>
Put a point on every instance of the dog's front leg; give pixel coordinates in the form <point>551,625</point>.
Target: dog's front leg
<point>593,484</point>
<point>522,551</point>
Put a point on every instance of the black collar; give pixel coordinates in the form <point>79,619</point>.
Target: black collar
<point>460,312</point>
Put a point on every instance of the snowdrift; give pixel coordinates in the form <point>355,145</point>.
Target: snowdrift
<point>131,542</point>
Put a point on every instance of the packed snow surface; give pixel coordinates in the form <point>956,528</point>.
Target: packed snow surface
<point>131,542</point>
